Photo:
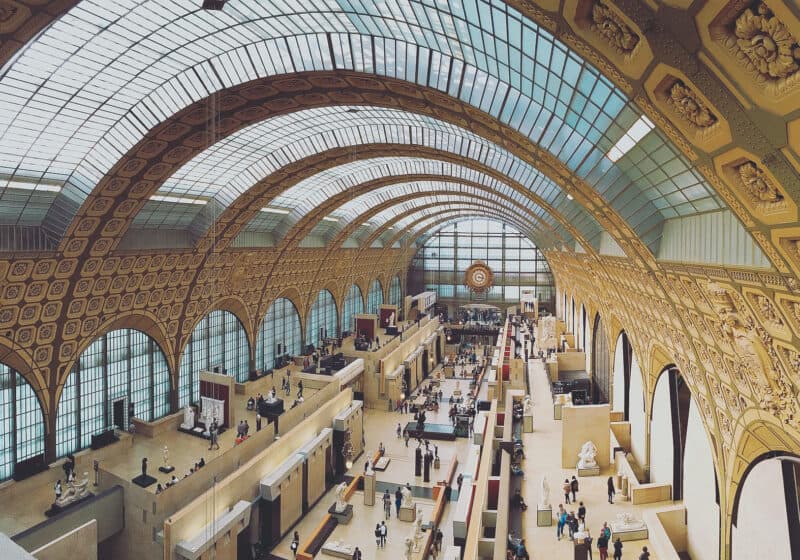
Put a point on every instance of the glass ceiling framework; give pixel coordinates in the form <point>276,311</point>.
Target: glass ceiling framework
<point>413,222</point>
<point>352,211</point>
<point>89,87</point>
<point>235,164</point>
<point>419,223</point>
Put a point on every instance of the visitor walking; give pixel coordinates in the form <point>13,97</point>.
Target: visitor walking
<point>399,430</point>
<point>562,520</point>
<point>398,499</point>
<point>617,549</point>
<point>384,531</point>
<point>602,546</point>
<point>611,490</point>
<point>378,535</point>
<point>567,489</point>
<point>356,554</point>
<point>295,543</point>
<point>387,504</point>
<point>573,485</point>
<point>582,512</point>
<point>645,555</point>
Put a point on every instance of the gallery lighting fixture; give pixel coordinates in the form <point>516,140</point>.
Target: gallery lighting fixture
<point>632,136</point>
<point>33,186</point>
<point>275,210</point>
<point>178,199</point>
<point>570,197</point>
<point>327,219</point>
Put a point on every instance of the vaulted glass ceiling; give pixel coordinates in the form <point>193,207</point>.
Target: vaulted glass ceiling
<point>81,94</point>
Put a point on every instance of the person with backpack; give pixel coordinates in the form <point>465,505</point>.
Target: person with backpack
<point>567,489</point>
<point>573,486</point>
<point>611,490</point>
<point>602,546</point>
<point>378,535</point>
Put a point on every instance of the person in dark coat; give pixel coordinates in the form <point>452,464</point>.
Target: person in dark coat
<point>611,490</point>
<point>398,499</point>
<point>617,549</point>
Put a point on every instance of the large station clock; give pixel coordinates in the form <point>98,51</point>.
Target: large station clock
<point>479,277</point>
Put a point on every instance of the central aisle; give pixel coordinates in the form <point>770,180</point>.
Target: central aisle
<point>543,452</point>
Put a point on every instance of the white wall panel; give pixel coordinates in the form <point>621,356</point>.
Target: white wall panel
<point>711,238</point>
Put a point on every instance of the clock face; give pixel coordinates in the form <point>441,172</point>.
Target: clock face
<point>479,277</point>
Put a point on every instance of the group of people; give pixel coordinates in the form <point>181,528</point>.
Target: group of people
<point>174,479</point>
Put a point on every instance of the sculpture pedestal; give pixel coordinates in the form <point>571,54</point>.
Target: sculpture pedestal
<point>629,533</point>
<point>527,424</point>
<point>166,469</point>
<point>624,487</point>
<point>544,517</point>
<point>593,471</point>
<point>369,489</point>
<point>343,517</point>
<point>408,514</point>
<point>144,480</point>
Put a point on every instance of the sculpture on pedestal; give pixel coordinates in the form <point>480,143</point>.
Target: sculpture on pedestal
<point>527,406</point>
<point>188,418</point>
<point>407,501</point>
<point>368,468</point>
<point>409,548</point>
<point>544,495</point>
<point>418,462</point>
<point>75,491</point>
<point>587,456</point>
<point>418,530</point>
<point>341,497</point>
<point>391,319</point>
<point>627,522</point>
<point>165,455</point>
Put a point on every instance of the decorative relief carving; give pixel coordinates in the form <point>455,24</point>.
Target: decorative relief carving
<point>688,105</point>
<point>759,188</point>
<point>613,29</point>
<point>765,45</point>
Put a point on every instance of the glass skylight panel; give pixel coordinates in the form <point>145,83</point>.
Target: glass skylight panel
<point>95,81</point>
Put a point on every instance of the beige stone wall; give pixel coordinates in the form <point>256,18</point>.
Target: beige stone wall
<point>316,474</point>
<point>292,498</point>
<point>79,543</point>
<point>582,424</point>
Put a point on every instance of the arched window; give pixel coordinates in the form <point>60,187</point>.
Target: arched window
<point>353,305</point>
<point>21,421</point>
<point>119,368</point>
<point>281,326</point>
<point>322,319</point>
<point>218,340</point>
<point>374,296</point>
<point>395,292</point>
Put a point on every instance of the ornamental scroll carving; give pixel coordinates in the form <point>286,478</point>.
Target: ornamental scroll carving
<point>765,45</point>
<point>609,25</point>
<point>689,107</point>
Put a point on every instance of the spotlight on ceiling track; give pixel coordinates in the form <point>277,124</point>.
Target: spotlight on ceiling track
<point>214,4</point>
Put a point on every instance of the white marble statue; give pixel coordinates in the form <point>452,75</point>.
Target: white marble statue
<point>188,418</point>
<point>527,406</point>
<point>391,319</point>
<point>587,456</point>
<point>418,530</point>
<point>370,468</point>
<point>341,498</point>
<point>165,455</point>
<point>409,548</point>
<point>544,495</point>
<point>75,491</point>
<point>407,501</point>
<point>627,522</point>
